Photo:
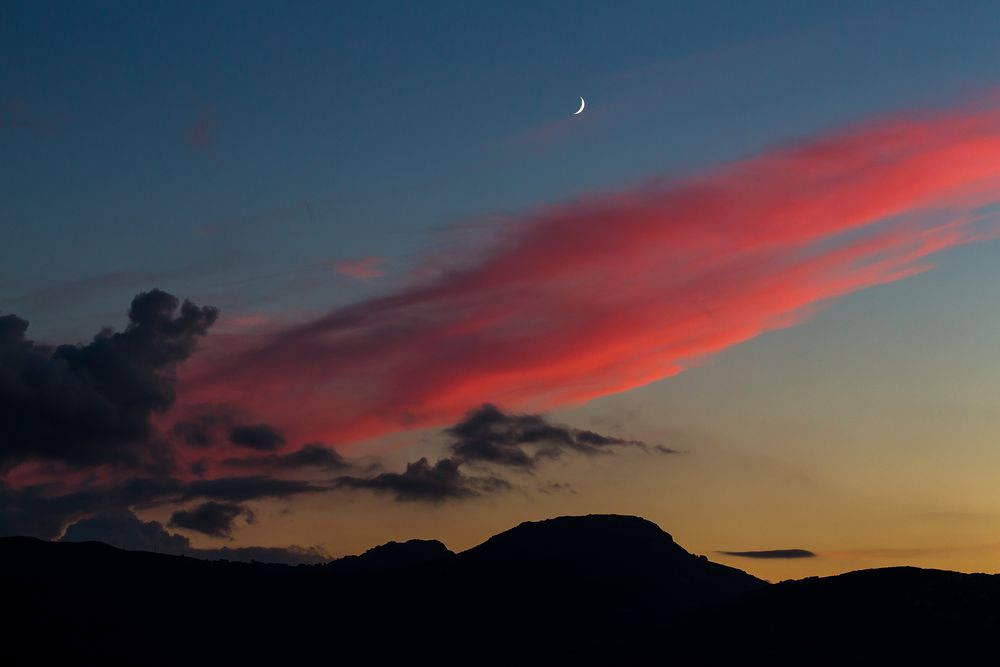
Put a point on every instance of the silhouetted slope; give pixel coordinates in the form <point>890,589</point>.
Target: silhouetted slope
<point>607,544</point>
<point>584,579</point>
<point>596,589</point>
<point>878,616</point>
<point>392,555</point>
<point>599,539</point>
<point>628,566</point>
<point>894,612</point>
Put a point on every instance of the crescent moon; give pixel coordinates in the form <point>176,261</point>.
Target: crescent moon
<point>583,103</point>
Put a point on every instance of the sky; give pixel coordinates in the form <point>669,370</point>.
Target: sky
<point>749,293</point>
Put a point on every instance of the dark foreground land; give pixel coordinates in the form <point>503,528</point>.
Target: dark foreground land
<point>575,590</point>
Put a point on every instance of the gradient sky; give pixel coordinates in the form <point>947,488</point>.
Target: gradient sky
<point>293,165</point>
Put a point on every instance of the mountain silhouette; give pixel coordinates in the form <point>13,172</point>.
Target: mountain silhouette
<point>888,616</point>
<point>598,589</point>
<point>581,575</point>
<point>392,555</point>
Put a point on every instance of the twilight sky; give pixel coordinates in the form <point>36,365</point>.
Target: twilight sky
<point>750,293</point>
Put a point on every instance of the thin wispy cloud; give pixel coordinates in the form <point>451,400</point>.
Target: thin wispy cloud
<point>771,554</point>
<point>17,113</point>
<point>367,268</point>
<point>201,132</point>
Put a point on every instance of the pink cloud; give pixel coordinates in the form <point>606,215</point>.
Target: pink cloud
<point>368,268</point>
<point>16,113</point>
<point>611,292</point>
<point>200,134</point>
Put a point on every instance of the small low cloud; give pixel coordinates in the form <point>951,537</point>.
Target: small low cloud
<point>200,133</point>
<point>204,425</point>
<point>212,518</point>
<point>776,554</point>
<point>367,268</point>
<point>423,481</point>
<point>312,455</point>
<point>490,435</point>
<point>16,113</point>
<point>556,487</point>
<point>261,437</point>
<point>124,530</point>
<point>43,510</point>
<point>209,425</point>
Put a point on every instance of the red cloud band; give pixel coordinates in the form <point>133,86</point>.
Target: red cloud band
<point>612,292</point>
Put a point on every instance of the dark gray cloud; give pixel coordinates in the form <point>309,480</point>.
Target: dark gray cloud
<point>556,487</point>
<point>204,425</point>
<point>212,518</point>
<point>489,438</point>
<point>33,512</point>
<point>262,437</point>
<point>94,404</point>
<point>86,405</point>
<point>312,455</point>
<point>215,424</point>
<point>212,425</point>
<point>196,432</point>
<point>489,435</point>
<point>772,553</point>
<point>425,482</point>
<point>125,530</point>
<point>43,510</point>
<point>199,468</point>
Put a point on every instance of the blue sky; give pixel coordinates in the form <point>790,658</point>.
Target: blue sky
<point>344,131</point>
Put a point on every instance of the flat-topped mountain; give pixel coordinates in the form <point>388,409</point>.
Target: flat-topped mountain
<point>624,567</point>
<point>595,538</point>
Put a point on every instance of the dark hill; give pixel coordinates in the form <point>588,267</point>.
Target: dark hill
<point>888,616</point>
<point>574,590</point>
<point>600,545</point>
<point>392,555</point>
<point>581,578</point>
<point>536,589</point>
<point>599,539</point>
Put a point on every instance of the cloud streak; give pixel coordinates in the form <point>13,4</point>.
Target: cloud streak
<point>611,292</point>
<point>368,268</point>
<point>488,435</point>
<point>312,455</point>
<point>200,134</point>
<point>427,482</point>
<point>771,554</point>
